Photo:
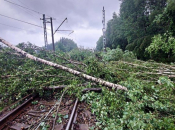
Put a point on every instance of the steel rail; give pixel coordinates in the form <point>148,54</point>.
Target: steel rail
<point>14,113</point>
<point>15,103</point>
<point>17,111</point>
<point>73,113</point>
<point>69,124</point>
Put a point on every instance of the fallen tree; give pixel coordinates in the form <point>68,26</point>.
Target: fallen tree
<point>57,66</point>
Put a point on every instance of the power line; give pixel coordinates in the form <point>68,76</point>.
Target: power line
<point>64,30</point>
<point>12,26</point>
<point>28,8</point>
<point>22,28</point>
<point>22,3</point>
<point>28,11</point>
<point>70,33</point>
<point>29,23</point>
<point>21,21</point>
<point>25,7</point>
<point>22,6</point>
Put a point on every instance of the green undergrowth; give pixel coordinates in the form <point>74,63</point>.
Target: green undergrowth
<point>148,104</point>
<point>144,106</point>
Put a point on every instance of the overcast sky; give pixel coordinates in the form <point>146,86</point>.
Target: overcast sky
<point>84,17</point>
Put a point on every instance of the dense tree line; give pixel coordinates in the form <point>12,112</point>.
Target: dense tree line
<point>139,24</point>
<point>64,45</point>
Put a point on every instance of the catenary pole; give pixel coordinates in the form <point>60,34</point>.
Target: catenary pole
<point>52,33</point>
<point>104,30</point>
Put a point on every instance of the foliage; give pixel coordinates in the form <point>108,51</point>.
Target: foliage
<point>149,102</point>
<point>64,45</point>
<point>80,54</point>
<point>166,43</point>
<point>99,44</point>
<point>117,54</point>
<point>20,76</point>
<point>114,54</point>
<point>138,47</point>
<point>128,56</point>
<point>162,44</point>
<point>167,18</point>
<point>142,107</point>
<point>136,24</point>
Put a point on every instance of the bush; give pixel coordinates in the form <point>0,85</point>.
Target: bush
<point>117,54</point>
<point>162,46</point>
<point>113,55</point>
<point>128,56</point>
<point>80,54</point>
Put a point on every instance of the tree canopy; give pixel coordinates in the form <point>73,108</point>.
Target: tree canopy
<point>136,25</point>
<point>64,45</point>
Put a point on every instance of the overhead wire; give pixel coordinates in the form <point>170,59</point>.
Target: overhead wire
<point>28,12</point>
<point>33,14</point>
<point>12,26</point>
<point>22,21</point>
<point>15,27</point>
<point>36,15</point>
<point>25,7</point>
<point>22,3</point>
<point>72,31</point>
<point>29,8</point>
<point>32,11</point>
<point>64,30</point>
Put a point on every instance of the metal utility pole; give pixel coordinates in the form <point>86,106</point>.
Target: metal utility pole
<point>45,30</point>
<point>104,30</point>
<point>52,34</point>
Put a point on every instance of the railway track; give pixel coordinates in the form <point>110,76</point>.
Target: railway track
<point>35,113</point>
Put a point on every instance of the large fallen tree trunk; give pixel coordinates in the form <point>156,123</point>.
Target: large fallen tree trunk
<point>75,72</point>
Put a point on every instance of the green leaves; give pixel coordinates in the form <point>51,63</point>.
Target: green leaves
<point>137,23</point>
<point>65,116</point>
<point>117,54</point>
<point>64,45</point>
<point>148,104</point>
<point>165,43</point>
<point>165,81</point>
<point>139,108</point>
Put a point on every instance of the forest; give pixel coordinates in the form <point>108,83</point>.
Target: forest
<point>145,27</point>
<point>136,72</point>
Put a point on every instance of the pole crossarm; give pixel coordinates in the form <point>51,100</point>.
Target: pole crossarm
<point>60,25</point>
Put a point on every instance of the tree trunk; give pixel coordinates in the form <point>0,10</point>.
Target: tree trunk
<point>75,72</point>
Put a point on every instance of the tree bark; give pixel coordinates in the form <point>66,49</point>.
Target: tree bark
<point>75,72</point>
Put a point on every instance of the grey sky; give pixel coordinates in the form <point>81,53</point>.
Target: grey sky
<point>84,17</point>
